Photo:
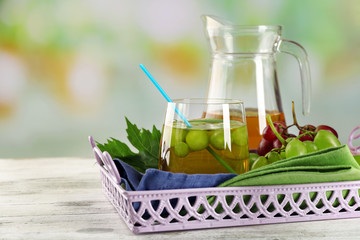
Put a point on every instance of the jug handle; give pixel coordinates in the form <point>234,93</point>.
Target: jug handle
<point>295,49</point>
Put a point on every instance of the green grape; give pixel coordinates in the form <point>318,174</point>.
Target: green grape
<point>259,162</point>
<point>177,135</point>
<point>236,152</point>
<point>233,153</point>
<point>239,136</point>
<point>244,151</point>
<point>217,140</point>
<point>282,155</point>
<point>181,149</point>
<point>310,146</point>
<point>325,139</point>
<point>289,139</point>
<point>197,140</point>
<point>295,148</point>
<point>252,158</point>
<point>273,157</point>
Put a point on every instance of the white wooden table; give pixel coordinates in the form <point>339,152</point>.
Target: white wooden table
<point>61,198</point>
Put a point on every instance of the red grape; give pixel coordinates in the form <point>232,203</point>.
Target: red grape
<point>325,127</point>
<point>306,128</point>
<point>264,147</point>
<point>268,133</point>
<point>277,143</point>
<point>309,137</point>
<point>286,136</point>
<point>282,126</point>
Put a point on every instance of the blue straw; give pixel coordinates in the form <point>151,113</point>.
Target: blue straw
<point>164,94</point>
<point>211,151</point>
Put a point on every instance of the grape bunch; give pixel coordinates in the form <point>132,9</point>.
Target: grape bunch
<point>277,143</point>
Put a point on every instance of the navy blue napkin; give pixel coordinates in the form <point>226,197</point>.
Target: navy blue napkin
<point>154,179</point>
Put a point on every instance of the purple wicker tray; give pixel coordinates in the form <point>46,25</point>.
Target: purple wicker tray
<point>186,209</point>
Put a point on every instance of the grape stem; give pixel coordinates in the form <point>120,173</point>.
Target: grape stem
<point>281,139</point>
<point>294,115</point>
<point>219,159</point>
<point>306,133</point>
<point>295,123</point>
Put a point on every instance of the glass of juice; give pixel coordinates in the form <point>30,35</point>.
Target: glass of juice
<point>216,127</point>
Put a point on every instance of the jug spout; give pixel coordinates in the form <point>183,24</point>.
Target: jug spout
<point>212,22</point>
<point>226,37</point>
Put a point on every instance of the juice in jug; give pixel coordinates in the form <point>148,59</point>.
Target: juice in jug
<point>243,67</point>
<point>252,121</point>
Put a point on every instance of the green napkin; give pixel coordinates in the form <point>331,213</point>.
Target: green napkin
<point>328,165</point>
<point>357,158</point>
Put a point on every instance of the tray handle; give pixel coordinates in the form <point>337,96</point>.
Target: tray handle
<point>352,137</point>
<point>104,160</point>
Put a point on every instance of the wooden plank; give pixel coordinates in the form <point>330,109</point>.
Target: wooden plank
<point>62,199</point>
<point>54,199</point>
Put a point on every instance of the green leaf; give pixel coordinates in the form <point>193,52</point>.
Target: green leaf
<point>116,148</point>
<point>156,133</point>
<point>145,141</point>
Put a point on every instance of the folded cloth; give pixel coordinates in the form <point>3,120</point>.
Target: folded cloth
<point>154,179</point>
<point>328,165</point>
<point>357,158</point>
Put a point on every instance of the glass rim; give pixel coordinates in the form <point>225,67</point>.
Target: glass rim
<point>255,28</point>
<point>212,101</point>
<point>250,28</point>
<point>227,25</point>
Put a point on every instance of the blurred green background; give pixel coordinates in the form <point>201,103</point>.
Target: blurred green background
<point>69,68</point>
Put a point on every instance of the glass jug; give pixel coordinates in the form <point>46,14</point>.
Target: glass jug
<point>244,67</point>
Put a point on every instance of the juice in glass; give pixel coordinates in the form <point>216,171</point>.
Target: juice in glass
<point>185,150</point>
<point>252,122</point>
